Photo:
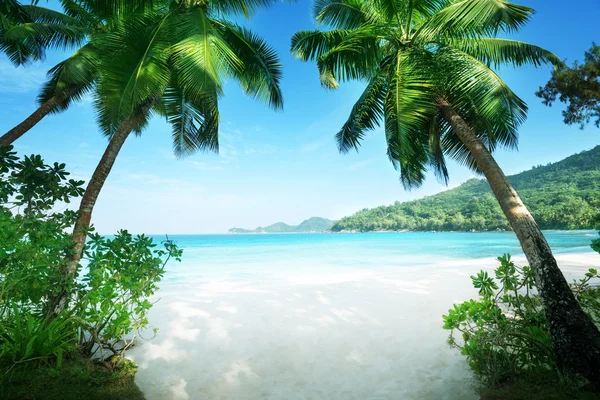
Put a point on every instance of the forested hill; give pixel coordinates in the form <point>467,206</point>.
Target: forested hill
<point>314,224</point>
<point>562,195</point>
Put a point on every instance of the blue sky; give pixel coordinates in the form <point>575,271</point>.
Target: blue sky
<point>280,166</point>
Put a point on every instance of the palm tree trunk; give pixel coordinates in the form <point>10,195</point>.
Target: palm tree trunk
<point>575,338</point>
<point>58,301</point>
<point>9,137</point>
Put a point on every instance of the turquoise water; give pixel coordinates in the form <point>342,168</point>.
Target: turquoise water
<point>254,256</point>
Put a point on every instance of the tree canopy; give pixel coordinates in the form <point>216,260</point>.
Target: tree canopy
<point>414,56</point>
<point>578,87</point>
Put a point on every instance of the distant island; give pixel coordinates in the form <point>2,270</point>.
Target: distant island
<point>562,195</point>
<point>314,224</point>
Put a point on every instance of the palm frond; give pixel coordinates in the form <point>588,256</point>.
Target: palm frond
<point>355,57</point>
<point>310,45</point>
<point>436,149</point>
<point>74,76</point>
<point>261,74</point>
<point>365,115</point>
<point>134,74</point>
<point>340,14</point>
<point>408,109</point>
<point>26,31</point>
<point>495,52</point>
<point>46,35</point>
<point>195,122</point>
<point>201,57</point>
<point>491,107</point>
<point>47,16</point>
<point>238,7</point>
<point>472,18</point>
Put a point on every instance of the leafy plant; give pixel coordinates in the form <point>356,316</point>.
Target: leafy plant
<point>113,295</point>
<point>28,337</point>
<point>110,297</point>
<point>504,334</point>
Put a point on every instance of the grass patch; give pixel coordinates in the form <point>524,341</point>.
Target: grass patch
<point>77,379</point>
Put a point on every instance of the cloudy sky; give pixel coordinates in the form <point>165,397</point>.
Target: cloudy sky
<point>280,166</point>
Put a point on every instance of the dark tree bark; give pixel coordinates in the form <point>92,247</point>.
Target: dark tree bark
<point>59,300</point>
<point>575,338</point>
<point>9,137</point>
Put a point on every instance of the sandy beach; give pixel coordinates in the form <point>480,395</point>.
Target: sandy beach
<point>375,334</point>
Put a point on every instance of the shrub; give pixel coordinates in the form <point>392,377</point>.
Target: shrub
<point>110,296</point>
<point>504,333</point>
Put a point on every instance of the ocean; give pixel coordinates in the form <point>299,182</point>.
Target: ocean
<point>264,256</point>
<point>322,316</point>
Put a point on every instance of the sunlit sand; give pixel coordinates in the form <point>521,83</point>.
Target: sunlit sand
<point>371,335</point>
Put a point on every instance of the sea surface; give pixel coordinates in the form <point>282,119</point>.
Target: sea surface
<point>264,256</point>
<point>322,316</point>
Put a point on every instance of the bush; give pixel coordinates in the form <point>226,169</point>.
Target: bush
<point>110,295</point>
<point>112,298</point>
<point>504,333</point>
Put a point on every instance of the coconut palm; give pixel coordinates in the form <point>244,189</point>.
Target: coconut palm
<point>27,31</point>
<point>172,63</point>
<point>72,78</point>
<point>428,65</point>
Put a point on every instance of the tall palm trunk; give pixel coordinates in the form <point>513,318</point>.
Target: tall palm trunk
<point>575,338</point>
<point>88,201</point>
<point>9,137</point>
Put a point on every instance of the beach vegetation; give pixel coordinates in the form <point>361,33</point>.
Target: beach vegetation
<point>504,333</point>
<point>109,298</point>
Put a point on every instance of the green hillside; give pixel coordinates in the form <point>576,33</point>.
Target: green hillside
<point>314,224</point>
<point>562,195</point>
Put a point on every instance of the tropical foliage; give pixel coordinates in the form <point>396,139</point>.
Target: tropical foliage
<point>71,79</point>
<point>173,61</point>
<point>416,56</point>
<point>28,30</point>
<point>504,333</point>
<point>111,292</point>
<point>561,195</point>
<point>578,87</point>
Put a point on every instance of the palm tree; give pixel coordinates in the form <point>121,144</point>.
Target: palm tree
<point>26,31</point>
<point>428,67</point>
<point>74,77</point>
<point>172,63</point>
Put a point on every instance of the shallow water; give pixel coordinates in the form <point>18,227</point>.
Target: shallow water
<point>321,316</point>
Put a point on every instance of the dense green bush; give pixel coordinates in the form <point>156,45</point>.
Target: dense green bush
<point>109,298</point>
<point>504,333</point>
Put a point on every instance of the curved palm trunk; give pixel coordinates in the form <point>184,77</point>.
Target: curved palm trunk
<point>9,137</point>
<point>88,201</point>
<point>575,338</point>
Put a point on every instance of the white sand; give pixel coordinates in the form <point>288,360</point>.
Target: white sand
<point>359,335</point>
